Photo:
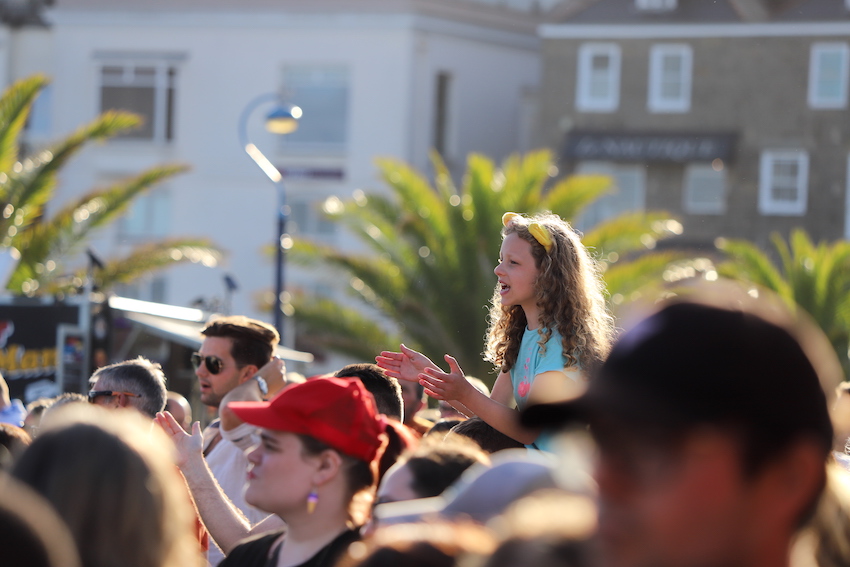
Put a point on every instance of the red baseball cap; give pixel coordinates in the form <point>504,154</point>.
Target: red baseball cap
<point>336,411</point>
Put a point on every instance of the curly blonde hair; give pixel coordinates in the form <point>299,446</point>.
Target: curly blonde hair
<point>570,297</point>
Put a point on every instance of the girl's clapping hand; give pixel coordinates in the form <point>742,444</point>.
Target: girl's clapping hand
<point>451,385</point>
<point>405,365</point>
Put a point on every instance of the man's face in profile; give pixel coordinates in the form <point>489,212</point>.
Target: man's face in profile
<point>671,502</point>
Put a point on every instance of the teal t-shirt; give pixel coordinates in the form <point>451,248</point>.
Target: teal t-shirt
<point>531,361</point>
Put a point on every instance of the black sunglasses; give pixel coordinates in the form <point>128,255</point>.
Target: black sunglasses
<point>94,394</point>
<point>213,363</point>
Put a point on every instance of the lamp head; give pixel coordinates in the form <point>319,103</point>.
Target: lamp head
<point>283,119</point>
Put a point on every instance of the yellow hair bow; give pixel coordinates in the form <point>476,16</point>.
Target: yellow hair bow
<point>508,218</point>
<point>540,233</point>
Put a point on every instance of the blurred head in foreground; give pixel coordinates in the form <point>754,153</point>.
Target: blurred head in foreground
<point>113,478</point>
<point>712,430</point>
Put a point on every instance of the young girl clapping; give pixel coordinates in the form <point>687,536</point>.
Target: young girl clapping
<point>548,326</point>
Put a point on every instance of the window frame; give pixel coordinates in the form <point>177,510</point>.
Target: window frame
<point>693,170</point>
<point>606,206</point>
<point>166,78</point>
<point>331,76</point>
<point>768,205</point>
<point>585,101</point>
<point>815,100</point>
<point>654,100</point>
<point>148,217</point>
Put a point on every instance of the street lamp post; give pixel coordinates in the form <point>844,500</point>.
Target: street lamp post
<point>283,119</point>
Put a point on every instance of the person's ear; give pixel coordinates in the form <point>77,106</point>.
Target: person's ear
<point>248,371</point>
<point>793,480</point>
<point>329,463</point>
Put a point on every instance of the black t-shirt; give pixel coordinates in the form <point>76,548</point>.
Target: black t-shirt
<point>254,552</point>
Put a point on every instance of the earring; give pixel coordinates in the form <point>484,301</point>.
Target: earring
<point>312,500</point>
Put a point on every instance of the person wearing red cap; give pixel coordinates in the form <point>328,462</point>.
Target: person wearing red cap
<point>320,443</point>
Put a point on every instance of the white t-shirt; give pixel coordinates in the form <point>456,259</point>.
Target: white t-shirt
<point>229,466</point>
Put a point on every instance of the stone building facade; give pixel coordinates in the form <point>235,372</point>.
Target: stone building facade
<point>732,115</point>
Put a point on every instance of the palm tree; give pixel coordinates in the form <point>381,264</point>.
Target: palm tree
<point>430,270</point>
<point>815,278</point>
<point>27,183</point>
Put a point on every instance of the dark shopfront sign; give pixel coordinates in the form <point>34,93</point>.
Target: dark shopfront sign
<point>645,146</point>
<point>36,341</point>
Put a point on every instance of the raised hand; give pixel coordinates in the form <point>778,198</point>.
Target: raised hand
<point>405,365</point>
<point>451,385</point>
<point>189,447</point>
<point>274,373</point>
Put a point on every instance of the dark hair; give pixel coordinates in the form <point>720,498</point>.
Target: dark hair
<point>542,551</point>
<point>400,440</point>
<point>360,475</point>
<point>253,341</point>
<point>442,428</point>
<point>438,543</point>
<point>37,407</point>
<point>488,438</point>
<point>138,376</point>
<point>13,441</point>
<point>385,390</point>
<point>436,467</point>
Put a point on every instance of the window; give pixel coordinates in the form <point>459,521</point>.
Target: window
<point>783,182</point>
<point>307,218</point>
<point>655,5</point>
<point>38,123</point>
<point>629,193</point>
<point>828,75</point>
<point>146,87</point>
<point>670,71</point>
<point>149,216</point>
<point>322,93</point>
<point>598,84</point>
<point>705,190</point>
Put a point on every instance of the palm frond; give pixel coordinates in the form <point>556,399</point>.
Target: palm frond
<point>27,191</point>
<point>327,325</point>
<point>635,231</point>
<point>15,106</point>
<point>432,249</point>
<point>748,263</point>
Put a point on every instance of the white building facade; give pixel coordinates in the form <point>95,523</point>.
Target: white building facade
<point>374,78</point>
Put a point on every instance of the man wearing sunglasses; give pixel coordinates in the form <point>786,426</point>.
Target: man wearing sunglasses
<point>137,383</point>
<point>234,363</point>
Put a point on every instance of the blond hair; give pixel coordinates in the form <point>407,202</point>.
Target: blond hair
<point>570,297</point>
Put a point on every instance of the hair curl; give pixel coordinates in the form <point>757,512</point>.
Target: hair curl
<point>570,298</point>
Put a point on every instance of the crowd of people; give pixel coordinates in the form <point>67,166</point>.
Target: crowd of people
<point>709,433</point>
